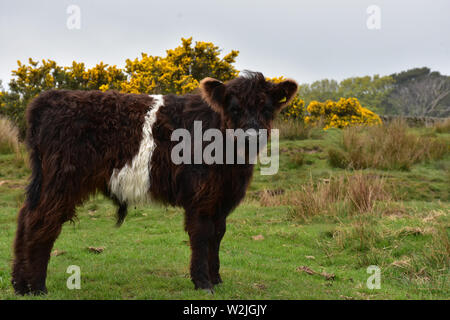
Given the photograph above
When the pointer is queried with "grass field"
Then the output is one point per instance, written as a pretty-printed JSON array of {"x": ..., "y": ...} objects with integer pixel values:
[{"x": 294, "y": 237}]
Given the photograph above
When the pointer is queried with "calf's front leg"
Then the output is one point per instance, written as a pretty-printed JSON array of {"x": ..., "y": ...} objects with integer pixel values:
[
  {"x": 201, "y": 230},
  {"x": 213, "y": 253}
]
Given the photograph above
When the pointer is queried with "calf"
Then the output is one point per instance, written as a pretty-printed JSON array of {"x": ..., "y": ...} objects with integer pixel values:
[{"x": 81, "y": 142}]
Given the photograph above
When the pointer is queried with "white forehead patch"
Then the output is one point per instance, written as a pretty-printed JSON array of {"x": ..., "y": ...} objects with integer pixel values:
[{"x": 131, "y": 183}]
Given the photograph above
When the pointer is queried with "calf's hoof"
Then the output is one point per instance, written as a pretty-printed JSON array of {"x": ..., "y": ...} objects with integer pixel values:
[
  {"x": 216, "y": 280},
  {"x": 208, "y": 291},
  {"x": 20, "y": 287},
  {"x": 38, "y": 291},
  {"x": 204, "y": 285}
]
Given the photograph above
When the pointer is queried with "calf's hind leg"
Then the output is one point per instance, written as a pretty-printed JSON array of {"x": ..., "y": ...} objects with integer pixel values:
[
  {"x": 19, "y": 280},
  {"x": 38, "y": 255},
  {"x": 43, "y": 225}
]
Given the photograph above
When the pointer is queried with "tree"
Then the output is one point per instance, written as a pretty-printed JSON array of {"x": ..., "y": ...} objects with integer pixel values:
[
  {"x": 370, "y": 91},
  {"x": 420, "y": 92},
  {"x": 321, "y": 90}
]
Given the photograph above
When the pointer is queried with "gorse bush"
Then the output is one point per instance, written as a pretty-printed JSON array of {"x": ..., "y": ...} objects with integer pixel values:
[
  {"x": 389, "y": 147},
  {"x": 341, "y": 114},
  {"x": 180, "y": 71},
  {"x": 295, "y": 110}
]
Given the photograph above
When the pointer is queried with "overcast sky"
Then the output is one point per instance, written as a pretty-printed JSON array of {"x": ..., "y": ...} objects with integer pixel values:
[{"x": 303, "y": 39}]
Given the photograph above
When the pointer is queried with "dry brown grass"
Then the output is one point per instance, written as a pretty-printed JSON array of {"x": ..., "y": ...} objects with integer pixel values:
[
  {"x": 9, "y": 141},
  {"x": 438, "y": 252},
  {"x": 419, "y": 268},
  {"x": 387, "y": 147},
  {"x": 363, "y": 191},
  {"x": 356, "y": 193},
  {"x": 360, "y": 235},
  {"x": 9, "y": 137},
  {"x": 292, "y": 130},
  {"x": 443, "y": 126}
]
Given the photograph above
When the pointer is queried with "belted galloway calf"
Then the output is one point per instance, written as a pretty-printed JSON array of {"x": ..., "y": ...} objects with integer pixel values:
[{"x": 82, "y": 142}]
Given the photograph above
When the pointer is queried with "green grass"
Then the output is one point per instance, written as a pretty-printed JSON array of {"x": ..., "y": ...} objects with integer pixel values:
[{"x": 148, "y": 257}]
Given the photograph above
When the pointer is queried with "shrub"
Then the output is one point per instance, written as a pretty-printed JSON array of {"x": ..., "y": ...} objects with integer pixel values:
[
  {"x": 338, "y": 158},
  {"x": 341, "y": 114},
  {"x": 295, "y": 110}
]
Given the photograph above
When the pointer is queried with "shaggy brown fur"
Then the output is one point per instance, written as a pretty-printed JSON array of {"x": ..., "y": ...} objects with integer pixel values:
[{"x": 77, "y": 138}]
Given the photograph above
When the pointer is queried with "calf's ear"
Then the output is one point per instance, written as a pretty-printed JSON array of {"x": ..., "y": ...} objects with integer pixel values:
[
  {"x": 213, "y": 92},
  {"x": 283, "y": 93}
]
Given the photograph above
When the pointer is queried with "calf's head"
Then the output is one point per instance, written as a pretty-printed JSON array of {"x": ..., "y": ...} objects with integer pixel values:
[{"x": 249, "y": 101}]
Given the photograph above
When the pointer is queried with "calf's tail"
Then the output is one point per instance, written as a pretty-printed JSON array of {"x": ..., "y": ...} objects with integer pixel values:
[
  {"x": 34, "y": 111},
  {"x": 34, "y": 188}
]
